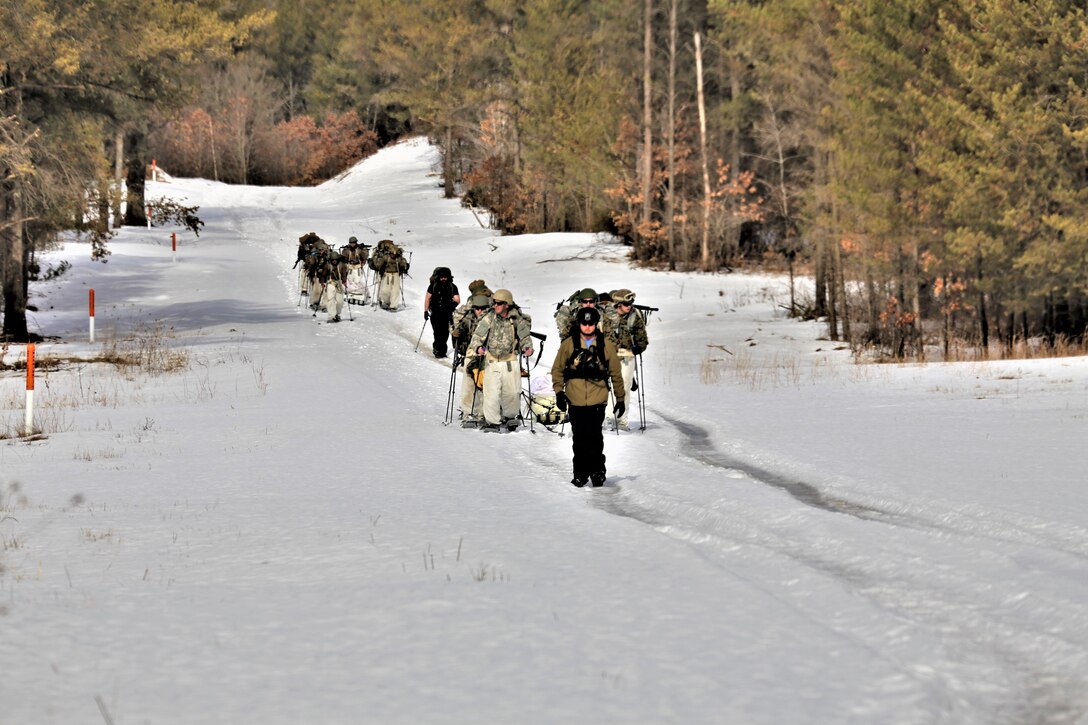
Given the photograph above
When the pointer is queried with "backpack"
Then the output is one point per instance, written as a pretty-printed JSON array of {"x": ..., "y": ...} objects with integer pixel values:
[
  {"x": 441, "y": 292},
  {"x": 587, "y": 364}
]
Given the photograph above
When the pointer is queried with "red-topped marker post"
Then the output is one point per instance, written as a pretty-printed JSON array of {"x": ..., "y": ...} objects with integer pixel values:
[
  {"x": 91, "y": 310},
  {"x": 28, "y": 428}
]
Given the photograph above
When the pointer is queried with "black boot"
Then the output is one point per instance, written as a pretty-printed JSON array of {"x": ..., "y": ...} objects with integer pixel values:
[
  {"x": 598, "y": 479},
  {"x": 579, "y": 481}
]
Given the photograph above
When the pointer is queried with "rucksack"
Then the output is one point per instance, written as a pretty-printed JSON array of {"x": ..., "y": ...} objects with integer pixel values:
[
  {"x": 442, "y": 292},
  {"x": 587, "y": 363}
]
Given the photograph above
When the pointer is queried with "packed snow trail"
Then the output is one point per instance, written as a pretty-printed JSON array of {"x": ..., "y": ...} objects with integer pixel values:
[{"x": 285, "y": 532}]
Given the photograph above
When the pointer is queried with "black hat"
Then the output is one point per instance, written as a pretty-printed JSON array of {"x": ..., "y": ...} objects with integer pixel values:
[{"x": 588, "y": 316}]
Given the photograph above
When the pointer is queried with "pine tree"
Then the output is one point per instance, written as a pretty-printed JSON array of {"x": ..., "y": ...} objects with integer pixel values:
[{"x": 66, "y": 68}]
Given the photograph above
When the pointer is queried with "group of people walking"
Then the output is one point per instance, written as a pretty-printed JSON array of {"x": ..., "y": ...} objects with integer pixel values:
[
  {"x": 601, "y": 337},
  {"x": 330, "y": 277},
  {"x": 593, "y": 375}
]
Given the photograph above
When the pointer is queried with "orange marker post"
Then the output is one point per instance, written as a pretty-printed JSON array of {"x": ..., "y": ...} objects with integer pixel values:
[
  {"x": 91, "y": 305},
  {"x": 28, "y": 429},
  {"x": 174, "y": 244}
]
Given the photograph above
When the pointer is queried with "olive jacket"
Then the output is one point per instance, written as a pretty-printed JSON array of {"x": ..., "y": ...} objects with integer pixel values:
[{"x": 587, "y": 391}]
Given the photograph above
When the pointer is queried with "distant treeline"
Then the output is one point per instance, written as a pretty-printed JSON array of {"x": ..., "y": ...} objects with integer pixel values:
[{"x": 924, "y": 160}]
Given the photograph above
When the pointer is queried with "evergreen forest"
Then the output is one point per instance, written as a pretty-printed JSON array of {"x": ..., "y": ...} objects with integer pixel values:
[{"x": 924, "y": 161}]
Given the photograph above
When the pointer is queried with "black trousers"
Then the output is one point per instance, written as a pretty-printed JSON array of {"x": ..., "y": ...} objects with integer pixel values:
[
  {"x": 440, "y": 323},
  {"x": 585, "y": 429}
]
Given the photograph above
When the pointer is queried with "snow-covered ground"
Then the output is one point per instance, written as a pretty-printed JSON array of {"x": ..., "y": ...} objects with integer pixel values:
[{"x": 283, "y": 531}]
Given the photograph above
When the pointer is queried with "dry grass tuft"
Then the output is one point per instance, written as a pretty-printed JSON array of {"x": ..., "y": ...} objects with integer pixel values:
[{"x": 146, "y": 350}]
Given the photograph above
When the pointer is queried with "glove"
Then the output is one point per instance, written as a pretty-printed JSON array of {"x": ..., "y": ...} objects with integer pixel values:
[
  {"x": 426, "y": 315},
  {"x": 619, "y": 409},
  {"x": 561, "y": 401}
]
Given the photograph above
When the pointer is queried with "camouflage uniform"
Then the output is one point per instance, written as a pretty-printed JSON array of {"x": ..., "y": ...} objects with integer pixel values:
[
  {"x": 332, "y": 275},
  {"x": 389, "y": 262},
  {"x": 471, "y": 400},
  {"x": 313, "y": 265},
  {"x": 460, "y": 340},
  {"x": 626, "y": 328},
  {"x": 305, "y": 247},
  {"x": 496, "y": 342},
  {"x": 564, "y": 316}
]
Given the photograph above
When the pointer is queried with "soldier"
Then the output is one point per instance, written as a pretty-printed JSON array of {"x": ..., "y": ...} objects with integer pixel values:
[
  {"x": 305, "y": 246},
  {"x": 332, "y": 275},
  {"x": 564, "y": 316},
  {"x": 627, "y": 331},
  {"x": 313, "y": 265},
  {"x": 355, "y": 287},
  {"x": 584, "y": 365},
  {"x": 471, "y": 400},
  {"x": 389, "y": 262},
  {"x": 353, "y": 252},
  {"x": 441, "y": 300},
  {"x": 499, "y": 337}
]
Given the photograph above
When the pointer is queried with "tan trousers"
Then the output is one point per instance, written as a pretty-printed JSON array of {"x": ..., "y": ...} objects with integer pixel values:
[
  {"x": 389, "y": 291},
  {"x": 502, "y": 390}
]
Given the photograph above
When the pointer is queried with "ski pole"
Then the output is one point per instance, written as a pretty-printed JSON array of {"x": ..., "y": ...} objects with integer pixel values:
[
  {"x": 640, "y": 373},
  {"x": 421, "y": 335},
  {"x": 528, "y": 393},
  {"x": 475, "y": 391},
  {"x": 447, "y": 418}
]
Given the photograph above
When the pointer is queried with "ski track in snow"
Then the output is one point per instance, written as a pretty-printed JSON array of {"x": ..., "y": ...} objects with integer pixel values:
[{"x": 1038, "y": 689}]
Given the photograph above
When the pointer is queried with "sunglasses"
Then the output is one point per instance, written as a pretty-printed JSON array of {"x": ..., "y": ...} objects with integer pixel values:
[
  {"x": 588, "y": 302},
  {"x": 623, "y": 304},
  {"x": 499, "y": 302}
]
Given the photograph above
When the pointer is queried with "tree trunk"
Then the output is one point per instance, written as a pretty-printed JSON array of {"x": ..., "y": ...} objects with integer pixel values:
[
  {"x": 118, "y": 176},
  {"x": 647, "y": 123},
  {"x": 670, "y": 199},
  {"x": 136, "y": 160},
  {"x": 916, "y": 301},
  {"x": 705, "y": 261},
  {"x": 838, "y": 273},
  {"x": 983, "y": 321},
  {"x": 737, "y": 65},
  {"x": 13, "y": 260},
  {"x": 447, "y": 164}
]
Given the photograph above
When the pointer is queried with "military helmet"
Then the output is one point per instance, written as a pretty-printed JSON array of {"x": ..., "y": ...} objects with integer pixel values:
[
  {"x": 503, "y": 295},
  {"x": 588, "y": 293},
  {"x": 481, "y": 302},
  {"x": 588, "y": 316},
  {"x": 353, "y": 240},
  {"x": 625, "y": 296}
]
